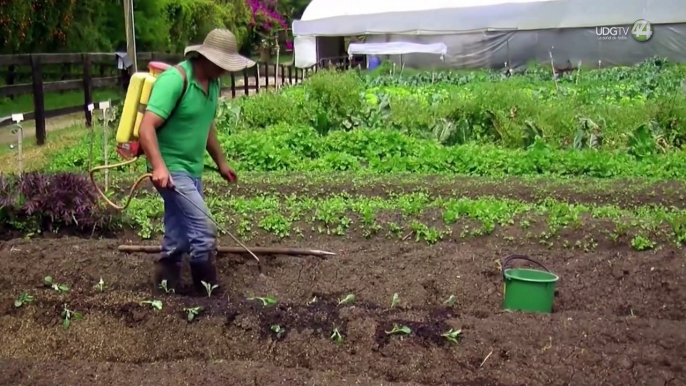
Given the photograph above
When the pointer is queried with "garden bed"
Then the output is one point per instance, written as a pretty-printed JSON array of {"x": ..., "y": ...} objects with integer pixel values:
[{"x": 618, "y": 315}]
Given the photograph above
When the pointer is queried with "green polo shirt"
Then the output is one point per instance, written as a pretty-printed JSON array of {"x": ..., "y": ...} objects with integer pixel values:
[{"x": 182, "y": 138}]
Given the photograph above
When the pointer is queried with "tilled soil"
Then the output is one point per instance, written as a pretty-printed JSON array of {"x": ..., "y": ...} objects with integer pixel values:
[{"x": 618, "y": 317}]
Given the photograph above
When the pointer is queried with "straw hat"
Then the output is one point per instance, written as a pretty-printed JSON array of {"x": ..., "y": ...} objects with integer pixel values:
[{"x": 221, "y": 49}]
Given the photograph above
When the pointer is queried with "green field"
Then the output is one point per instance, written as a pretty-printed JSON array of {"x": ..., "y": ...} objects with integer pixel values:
[{"x": 24, "y": 103}]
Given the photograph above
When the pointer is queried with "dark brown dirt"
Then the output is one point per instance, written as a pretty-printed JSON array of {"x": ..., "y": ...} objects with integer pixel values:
[{"x": 618, "y": 318}]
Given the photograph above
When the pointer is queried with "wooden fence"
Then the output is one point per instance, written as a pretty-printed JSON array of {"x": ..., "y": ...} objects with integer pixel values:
[{"x": 263, "y": 75}]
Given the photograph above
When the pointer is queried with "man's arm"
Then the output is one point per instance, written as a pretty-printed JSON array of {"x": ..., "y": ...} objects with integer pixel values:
[
  {"x": 148, "y": 139},
  {"x": 166, "y": 91},
  {"x": 215, "y": 149}
]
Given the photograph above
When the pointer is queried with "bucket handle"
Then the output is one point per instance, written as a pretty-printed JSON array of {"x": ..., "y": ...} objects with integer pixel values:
[{"x": 508, "y": 259}]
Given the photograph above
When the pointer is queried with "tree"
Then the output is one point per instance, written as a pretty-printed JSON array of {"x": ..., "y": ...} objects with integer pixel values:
[{"x": 98, "y": 25}]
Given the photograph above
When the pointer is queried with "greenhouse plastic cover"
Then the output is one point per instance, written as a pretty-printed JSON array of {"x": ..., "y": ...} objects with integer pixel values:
[
  {"x": 493, "y": 33},
  {"x": 396, "y": 48},
  {"x": 357, "y": 17}
]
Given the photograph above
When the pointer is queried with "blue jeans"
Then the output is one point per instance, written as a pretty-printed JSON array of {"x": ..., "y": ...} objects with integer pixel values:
[{"x": 186, "y": 228}]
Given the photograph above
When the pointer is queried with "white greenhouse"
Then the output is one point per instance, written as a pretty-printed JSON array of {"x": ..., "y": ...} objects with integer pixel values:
[{"x": 491, "y": 33}]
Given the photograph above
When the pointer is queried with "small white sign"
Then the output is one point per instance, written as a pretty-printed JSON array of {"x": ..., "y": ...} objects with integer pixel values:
[
  {"x": 17, "y": 117},
  {"x": 91, "y": 107},
  {"x": 104, "y": 105}
]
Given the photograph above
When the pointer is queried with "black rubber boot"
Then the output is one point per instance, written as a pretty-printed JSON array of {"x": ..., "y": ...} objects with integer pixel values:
[
  {"x": 204, "y": 272},
  {"x": 169, "y": 272}
]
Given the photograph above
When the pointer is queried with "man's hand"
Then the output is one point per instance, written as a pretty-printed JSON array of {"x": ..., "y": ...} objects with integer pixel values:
[
  {"x": 227, "y": 173},
  {"x": 161, "y": 178},
  {"x": 215, "y": 151}
]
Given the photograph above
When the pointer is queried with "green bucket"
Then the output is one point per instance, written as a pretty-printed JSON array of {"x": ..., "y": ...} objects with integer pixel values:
[{"x": 528, "y": 290}]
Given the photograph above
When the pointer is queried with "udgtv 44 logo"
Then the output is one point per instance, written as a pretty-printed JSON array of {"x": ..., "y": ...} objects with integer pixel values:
[{"x": 641, "y": 31}]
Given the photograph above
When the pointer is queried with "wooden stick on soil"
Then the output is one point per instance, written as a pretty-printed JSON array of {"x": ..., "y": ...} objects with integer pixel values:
[{"x": 234, "y": 250}]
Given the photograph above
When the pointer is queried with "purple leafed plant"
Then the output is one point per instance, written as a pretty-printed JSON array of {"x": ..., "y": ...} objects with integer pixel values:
[
  {"x": 8, "y": 198},
  {"x": 61, "y": 199}
]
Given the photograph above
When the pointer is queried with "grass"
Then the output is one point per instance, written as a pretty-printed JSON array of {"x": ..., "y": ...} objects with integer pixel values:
[
  {"x": 24, "y": 103},
  {"x": 284, "y": 58},
  {"x": 36, "y": 157}
]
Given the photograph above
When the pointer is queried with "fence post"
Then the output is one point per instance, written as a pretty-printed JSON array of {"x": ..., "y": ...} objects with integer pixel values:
[
  {"x": 290, "y": 75},
  {"x": 245, "y": 82},
  {"x": 87, "y": 88},
  {"x": 123, "y": 76},
  {"x": 38, "y": 99},
  {"x": 282, "y": 69},
  {"x": 257, "y": 78},
  {"x": 266, "y": 76},
  {"x": 9, "y": 78},
  {"x": 233, "y": 85}
]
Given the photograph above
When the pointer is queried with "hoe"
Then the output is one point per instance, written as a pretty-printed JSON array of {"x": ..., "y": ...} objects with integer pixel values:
[{"x": 129, "y": 149}]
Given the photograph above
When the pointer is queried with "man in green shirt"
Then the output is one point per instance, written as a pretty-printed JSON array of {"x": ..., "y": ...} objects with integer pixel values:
[{"x": 177, "y": 128}]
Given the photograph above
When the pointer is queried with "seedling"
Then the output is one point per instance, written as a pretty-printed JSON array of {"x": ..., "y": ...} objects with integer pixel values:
[
  {"x": 268, "y": 301},
  {"x": 156, "y": 304},
  {"x": 349, "y": 298},
  {"x": 395, "y": 300},
  {"x": 451, "y": 300},
  {"x": 336, "y": 336},
  {"x": 278, "y": 330},
  {"x": 452, "y": 335},
  {"x": 399, "y": 330},
  {"x": 191, "y": 313},
  {"x": 100, "y": 286},
  {"x": 57, "y": 287},
  {"x": 68, "y": 315},
  {"x": 163, "y": 287},
  {"x": 23, "y": 299},
  {"x": 209, "y": 287}
]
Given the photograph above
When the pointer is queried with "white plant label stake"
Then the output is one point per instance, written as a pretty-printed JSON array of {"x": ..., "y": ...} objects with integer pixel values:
[
  {"x": 91, "y": 137},
  {"x": 276, "y": 67},
  {"x": 103, "y": 107},
  {"x": 17, "y": 118}
]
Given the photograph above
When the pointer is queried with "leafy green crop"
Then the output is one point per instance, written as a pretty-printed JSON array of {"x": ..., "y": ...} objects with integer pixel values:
[
  {"x": 338, "y": 214},
  {"x": 484, "y": 107},
  {"x": 384, "y": 151}
]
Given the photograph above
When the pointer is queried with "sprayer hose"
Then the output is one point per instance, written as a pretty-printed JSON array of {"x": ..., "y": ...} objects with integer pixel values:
[
  {"x": 149, "y": 175},
  {"x": 133, "y": 187}
]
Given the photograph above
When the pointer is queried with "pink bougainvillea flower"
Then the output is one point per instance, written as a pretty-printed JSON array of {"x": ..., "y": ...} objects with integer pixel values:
[{"x": 263, "y": 11}]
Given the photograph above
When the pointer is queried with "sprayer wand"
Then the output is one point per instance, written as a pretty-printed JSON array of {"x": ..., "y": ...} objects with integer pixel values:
[
  {"x": 145, "y": 176},
  {"x": 173, "y": 188}
]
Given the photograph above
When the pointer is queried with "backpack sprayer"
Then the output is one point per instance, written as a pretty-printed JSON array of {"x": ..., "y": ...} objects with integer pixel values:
[{"x": 128, "y": 147}]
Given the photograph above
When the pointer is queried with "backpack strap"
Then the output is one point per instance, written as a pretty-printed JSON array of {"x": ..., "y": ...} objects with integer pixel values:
[
  {"x": 185, "y": 88},
  {"x": 178, "y": 101}
]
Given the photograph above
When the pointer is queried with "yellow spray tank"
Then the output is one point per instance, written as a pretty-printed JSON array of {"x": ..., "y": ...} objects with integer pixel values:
[{"x": 137, "y": 97}]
